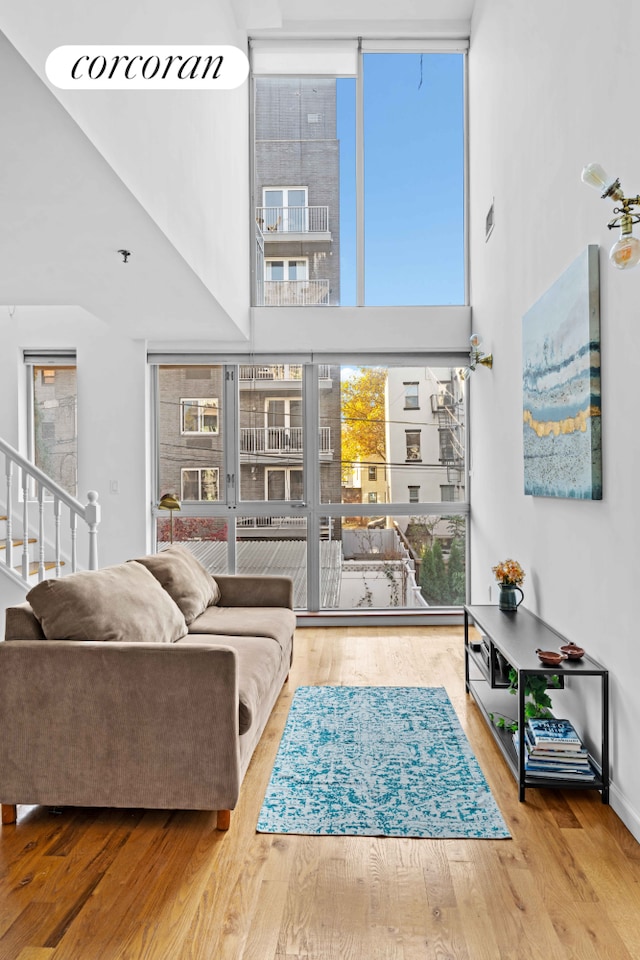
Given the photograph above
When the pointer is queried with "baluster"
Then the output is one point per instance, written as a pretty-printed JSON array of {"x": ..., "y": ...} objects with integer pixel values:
[
  {"x": 92, "y": 517},
  {"x": 73, "y": 520},
  {"x": 25, "y": 526},
  {"x": 9, "y": 521},
  {"x": 57, "y": 512},
  {"x": 41, "y": 568}
]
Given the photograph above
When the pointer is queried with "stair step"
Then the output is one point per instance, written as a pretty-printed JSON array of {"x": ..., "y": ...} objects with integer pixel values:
[
  {"x": 34, "y": 566},
  {"x": 17, "y": 543}
]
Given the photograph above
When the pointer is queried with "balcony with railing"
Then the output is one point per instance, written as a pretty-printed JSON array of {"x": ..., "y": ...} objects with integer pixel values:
[
  {"x": 295, "y": 293},
  {"x": 279, "y": 442},
  {"x": 278, "y": 224},
  {"x": 279, "y": 372}
]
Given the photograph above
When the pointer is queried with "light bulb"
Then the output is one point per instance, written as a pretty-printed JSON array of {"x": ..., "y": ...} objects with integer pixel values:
[
  {"x": 474, "y": 340},
  {"x": 626, "y": 252},
  {"x": 596, "y": 177}
]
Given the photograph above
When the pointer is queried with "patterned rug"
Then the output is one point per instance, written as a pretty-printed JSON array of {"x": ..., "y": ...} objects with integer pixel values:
[{"x": 377, "y": 761}]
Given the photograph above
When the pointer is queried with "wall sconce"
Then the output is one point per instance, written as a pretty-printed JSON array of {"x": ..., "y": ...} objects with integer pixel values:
[
  {"x": 476, "y": 356},
  {"x": 169, "y": 502},
  {"x": 625, "y": 252}
]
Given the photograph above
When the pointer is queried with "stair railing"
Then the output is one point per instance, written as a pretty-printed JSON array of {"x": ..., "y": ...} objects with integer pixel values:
[{"x": 31, "y": 476}]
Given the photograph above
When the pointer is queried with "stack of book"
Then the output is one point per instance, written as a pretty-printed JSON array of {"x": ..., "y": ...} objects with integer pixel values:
[{"x": 554, "y": 750}]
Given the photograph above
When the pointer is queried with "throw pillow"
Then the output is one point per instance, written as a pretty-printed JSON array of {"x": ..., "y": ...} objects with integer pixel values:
[
  {"x": 184, "y": 578},
  {"x": 122, "y": 603}
]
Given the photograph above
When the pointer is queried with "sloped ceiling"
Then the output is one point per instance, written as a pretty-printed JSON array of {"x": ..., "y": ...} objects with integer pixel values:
[{"x": 86, "y": 175}]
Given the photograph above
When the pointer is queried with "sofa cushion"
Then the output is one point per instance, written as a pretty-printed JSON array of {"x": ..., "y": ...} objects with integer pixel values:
[
  {"x": 276, "y": 622},
  {"x": 184, "y": 578},
  {"x": 122, "y": 603},
  {"x": 259, "y": 666}
]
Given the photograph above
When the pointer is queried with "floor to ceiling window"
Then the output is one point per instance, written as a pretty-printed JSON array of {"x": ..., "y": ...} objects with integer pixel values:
[{"x": 348, "y": 477}]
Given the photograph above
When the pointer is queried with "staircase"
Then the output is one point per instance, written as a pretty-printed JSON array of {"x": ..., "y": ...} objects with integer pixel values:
[{"x": 34, "y": 541}]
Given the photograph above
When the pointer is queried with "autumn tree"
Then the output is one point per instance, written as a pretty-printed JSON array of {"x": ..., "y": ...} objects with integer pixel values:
[{"x": 363, "y": 416}]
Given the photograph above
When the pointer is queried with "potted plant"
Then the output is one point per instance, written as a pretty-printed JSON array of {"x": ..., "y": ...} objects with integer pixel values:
[{"x": 537, "y": 701}]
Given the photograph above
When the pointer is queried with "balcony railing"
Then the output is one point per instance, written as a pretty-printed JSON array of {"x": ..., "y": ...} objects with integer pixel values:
[
  {"x": 280, "y": 372},
  {"x": 296, "y": 293},
  {"x": 276, "y": 220},
  {"x": 279, "y": 440}
]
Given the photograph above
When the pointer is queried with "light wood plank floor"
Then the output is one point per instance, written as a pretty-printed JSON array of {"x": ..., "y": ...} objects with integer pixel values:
[{"x": 83, "y": 884}]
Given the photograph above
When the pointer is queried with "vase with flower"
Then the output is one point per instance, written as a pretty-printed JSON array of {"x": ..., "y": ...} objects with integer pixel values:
[{"x": 509, "y": 575}]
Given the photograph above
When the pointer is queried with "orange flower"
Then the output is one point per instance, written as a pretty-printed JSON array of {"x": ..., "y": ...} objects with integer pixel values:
[{"x": 509, "y": 572}]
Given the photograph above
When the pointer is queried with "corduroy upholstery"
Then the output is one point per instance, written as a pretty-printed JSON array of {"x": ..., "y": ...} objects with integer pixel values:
[{"x": 169, "y": 725}]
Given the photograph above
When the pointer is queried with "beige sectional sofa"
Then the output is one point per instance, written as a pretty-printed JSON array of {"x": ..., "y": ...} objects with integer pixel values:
[{"x": 143, "y": 685}]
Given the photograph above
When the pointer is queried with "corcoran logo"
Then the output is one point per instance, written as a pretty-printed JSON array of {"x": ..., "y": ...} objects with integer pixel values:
[{"x": 147, "y": 67}]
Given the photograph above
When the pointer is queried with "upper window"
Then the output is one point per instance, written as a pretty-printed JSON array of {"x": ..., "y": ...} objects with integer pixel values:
[
  {"x": 284, "y": 210},
  {"x": 411, "y": 396},
  {"x": 199, "y": 415},
  {"x": 393, "y": 236}
]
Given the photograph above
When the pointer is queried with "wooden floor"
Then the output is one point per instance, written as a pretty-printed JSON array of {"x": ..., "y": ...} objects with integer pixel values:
[{"x": 82, "y": 884}]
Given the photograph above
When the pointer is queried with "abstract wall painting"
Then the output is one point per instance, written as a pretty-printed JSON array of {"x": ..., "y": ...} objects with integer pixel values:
[{"x": 561, "y": 386}]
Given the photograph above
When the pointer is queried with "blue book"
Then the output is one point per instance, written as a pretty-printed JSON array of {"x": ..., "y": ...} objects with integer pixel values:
[{"x": 549, "y": 733}]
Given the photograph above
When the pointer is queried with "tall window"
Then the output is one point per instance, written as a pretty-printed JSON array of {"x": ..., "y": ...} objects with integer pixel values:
[
  {"x": 321, "y": 473},
  {"x": 375, "y": 197},
  {"x": 54, "y": 433}
]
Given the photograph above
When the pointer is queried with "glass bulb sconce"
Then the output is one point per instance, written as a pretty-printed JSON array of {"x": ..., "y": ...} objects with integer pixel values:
[
  {"x": 476, "y": 356},
  {"x": 625, "y": 252}
]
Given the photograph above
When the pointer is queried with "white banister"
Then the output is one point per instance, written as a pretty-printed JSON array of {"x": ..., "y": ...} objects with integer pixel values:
[{"x": 51, "y": 500}]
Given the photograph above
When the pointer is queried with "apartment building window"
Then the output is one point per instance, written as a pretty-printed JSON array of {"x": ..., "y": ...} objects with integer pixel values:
[
  {"x": 199, "y": 415},
  {"x": 53, "y": 428},
  {"x": 413, "y": 451},
  {"x": 284, "y": 210},
  {"x": 284, "y": 483},
  {"x": 447, "y": 492},
  {"x": 373, "y": 473},
  {"x": 200, "y": 483},
  {"x": 411, "y": 396},
  {"x": 414, "y": 494},
  {"x": 373, "y": 496}
]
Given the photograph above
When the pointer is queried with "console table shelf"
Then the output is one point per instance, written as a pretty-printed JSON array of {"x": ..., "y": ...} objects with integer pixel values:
[{"x": 515, "y": 637}]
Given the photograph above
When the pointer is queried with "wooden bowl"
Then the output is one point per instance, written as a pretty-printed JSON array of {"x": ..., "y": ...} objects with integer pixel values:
[
  {"x": 572, "y": 651},
  {"x": 551, "y": 658}
]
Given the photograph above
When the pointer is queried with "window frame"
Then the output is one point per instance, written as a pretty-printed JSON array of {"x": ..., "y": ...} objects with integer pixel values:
[
  {"x": 201, "y": 404},
  {"x": 199, "y": 471}
]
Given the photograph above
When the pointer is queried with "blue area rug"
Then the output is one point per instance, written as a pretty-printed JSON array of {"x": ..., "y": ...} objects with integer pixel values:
[{"x": 377, "y": 761}]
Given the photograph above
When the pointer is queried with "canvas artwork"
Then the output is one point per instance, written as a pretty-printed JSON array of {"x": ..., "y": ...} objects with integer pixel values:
[{"x": 561, "y": 386}]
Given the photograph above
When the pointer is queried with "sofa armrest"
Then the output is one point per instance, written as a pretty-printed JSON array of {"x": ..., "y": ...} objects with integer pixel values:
[
  {"x": 119, "y": 724},
  {"x": 255, "y": 591}
]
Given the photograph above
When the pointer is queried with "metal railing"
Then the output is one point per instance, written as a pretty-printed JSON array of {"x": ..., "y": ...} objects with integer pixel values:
[
  {"x": 295, "y": 293},
  {"x": 280, "y": 372},
  {"x": 279, "y": 440},
  {"x": 35, "y": 489},
  {"x": 292, "y": 220}
]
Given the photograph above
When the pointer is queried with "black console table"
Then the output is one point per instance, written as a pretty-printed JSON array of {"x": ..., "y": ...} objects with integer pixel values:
[{"x": 514, "y": 637}]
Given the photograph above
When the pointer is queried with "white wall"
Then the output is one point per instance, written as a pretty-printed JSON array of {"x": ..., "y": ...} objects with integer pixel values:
[
  {"x": 112, "y": 416},
  {"x": 184, "y": 155},
  {"x": 550, "y": 91}
]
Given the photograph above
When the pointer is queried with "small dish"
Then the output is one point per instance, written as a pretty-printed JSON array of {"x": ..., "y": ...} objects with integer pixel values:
[
  {"x": 572, "y": 651},
  {"x": 551, "y": 658}
]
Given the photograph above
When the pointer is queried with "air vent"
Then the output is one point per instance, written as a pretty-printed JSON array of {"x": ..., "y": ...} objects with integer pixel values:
[{"x": 314, "y": 117}]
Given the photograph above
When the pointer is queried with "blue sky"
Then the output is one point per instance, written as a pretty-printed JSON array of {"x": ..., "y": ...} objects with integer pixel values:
[{"x": 414, "y": 179}]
